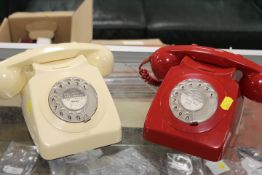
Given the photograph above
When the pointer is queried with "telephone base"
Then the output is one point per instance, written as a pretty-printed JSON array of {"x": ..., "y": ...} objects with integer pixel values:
[
  {"x": 55, "y": 137},
  {"x": 207, "y": 139},
  {"x": 72, "y": 143},
  {"x": 209, "y": 145}
]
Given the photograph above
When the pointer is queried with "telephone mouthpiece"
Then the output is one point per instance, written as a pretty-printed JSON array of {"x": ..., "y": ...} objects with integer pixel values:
[
  {"x": 251, "y": 86},
  {"x": 12, "y": 81}
]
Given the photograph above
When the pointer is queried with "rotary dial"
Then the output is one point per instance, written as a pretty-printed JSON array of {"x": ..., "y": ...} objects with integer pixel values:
[
  {"x": 193, "y": 100},
  {"x": 73, "y": 100}
]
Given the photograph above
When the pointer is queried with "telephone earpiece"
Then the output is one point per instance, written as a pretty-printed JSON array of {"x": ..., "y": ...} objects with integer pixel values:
[
  {"x": 160, "y": 62},
  {"x": 13, "y": 78},
  {"x": 251, "y": 86},
  {"x": 12, "y": 81},
  {"x": 166, "y": 57}
]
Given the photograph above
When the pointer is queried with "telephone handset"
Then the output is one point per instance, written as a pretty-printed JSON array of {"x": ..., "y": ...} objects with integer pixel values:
[
  {"x": 166, "y": 57},
  {"x": 65, "y": 101},
  {"x": 200, "y": 99}
]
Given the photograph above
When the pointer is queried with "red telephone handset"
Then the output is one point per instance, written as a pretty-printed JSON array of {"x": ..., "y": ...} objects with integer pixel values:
[
  {"x": 199, "y": 103},
  {"x": 166, "y": 57}
]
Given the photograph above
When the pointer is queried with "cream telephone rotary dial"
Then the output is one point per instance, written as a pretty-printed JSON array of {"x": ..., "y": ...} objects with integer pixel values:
[{"x": 65, "y": 101}]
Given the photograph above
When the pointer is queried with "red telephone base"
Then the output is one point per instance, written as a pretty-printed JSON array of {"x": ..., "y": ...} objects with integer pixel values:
[{"x": 207, "y": 139}]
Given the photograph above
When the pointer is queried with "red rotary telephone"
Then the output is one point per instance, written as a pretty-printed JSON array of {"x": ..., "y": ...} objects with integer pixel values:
[{"x": 199, "y": 102}]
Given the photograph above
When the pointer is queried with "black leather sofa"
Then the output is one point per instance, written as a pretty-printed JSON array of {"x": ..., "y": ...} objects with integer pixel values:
[{"x": 216, "y": 23}]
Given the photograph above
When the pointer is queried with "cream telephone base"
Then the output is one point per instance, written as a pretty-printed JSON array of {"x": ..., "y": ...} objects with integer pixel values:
[{"x": 66, "y": 103}]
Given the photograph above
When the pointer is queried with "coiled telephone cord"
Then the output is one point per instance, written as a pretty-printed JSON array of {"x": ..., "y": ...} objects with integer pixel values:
[{"x": 146, "y": 76}]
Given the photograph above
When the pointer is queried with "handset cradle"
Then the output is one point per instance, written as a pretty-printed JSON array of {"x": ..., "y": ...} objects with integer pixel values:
[
  {"x": 12, "y": 69},
  {"x": 166, "y": 57}
]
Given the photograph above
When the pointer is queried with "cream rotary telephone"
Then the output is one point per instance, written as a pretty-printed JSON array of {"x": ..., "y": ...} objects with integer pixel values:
[{"x": 65, "y": 101}]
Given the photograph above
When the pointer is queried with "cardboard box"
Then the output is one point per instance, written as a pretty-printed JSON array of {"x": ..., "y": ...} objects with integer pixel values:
[{"x": 70, "y": 26}]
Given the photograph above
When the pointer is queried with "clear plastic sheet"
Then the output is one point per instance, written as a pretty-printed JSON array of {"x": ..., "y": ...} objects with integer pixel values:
[
  {"x": 128, "y": 162},
  {"x": 184, "y": 164},
  {"x": 251, "y": 160},
  {"x": 74, "y": 164},
  {"x": 18, "y": 159}
]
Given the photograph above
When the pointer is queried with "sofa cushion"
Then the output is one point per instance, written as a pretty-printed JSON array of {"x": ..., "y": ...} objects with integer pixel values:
[
  {"x": 3, "y": 10},
  {"x": 118, "y": 19},
  {"x": 217, "y": 23},
  {"x": 258, "y": 3},
  {"x": 52, "y": 5}
]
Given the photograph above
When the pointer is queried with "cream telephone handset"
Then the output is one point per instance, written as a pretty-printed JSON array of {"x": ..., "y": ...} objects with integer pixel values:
[{"x": 65, "y": 101}]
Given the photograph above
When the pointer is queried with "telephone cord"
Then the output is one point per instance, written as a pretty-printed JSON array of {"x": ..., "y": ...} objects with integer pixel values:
[{"x": 145, "y": 75}]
